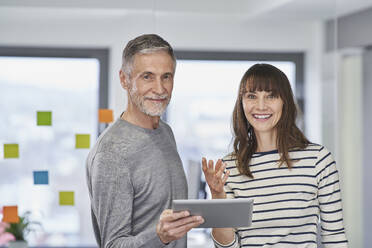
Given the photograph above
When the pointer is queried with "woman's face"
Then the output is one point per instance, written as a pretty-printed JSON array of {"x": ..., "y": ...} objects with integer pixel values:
[{"x": 262, "y": 110}]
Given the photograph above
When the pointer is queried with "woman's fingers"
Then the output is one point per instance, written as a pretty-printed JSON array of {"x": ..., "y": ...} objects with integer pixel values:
[
  {"x": 210, "y": 165},
  {"x": 213, "y": 171},
  {"x": 225, "y": 177},
  {"x": 220, "y": 170},
  {"x": 219, "y": 174},
  {"x": 216, "y": 177},
  {"x": 218, "y": 165},
  {"x": 204, "y": 164}
]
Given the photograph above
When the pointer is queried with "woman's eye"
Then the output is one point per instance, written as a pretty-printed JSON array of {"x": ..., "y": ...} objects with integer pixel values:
[
  {"x": 271, "y": 96},
  {"x": 251, "y": 96}
]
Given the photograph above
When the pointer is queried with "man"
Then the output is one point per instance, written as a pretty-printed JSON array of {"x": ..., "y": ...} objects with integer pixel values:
[{"x": 134, "y": 171}]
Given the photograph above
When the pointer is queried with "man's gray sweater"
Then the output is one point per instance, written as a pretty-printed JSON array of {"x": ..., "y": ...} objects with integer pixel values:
[{"x": 133, "y": 174}]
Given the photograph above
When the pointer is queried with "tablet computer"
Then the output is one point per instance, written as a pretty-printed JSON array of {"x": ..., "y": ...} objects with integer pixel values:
[{"x": 219, "y": 212}]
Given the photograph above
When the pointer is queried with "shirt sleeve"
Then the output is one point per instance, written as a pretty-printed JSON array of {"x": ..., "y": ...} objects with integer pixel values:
[
  {"x": 112, "y": 205},
  {"x": 329, "y": 197},
  {"x": 233, "y": 244}
]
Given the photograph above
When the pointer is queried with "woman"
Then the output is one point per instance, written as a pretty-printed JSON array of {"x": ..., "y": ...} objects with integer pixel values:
[{"x": 291, "y": 180}]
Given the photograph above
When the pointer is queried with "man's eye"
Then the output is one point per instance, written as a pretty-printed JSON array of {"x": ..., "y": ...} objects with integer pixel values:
[
  {"x": 146, "y": 76},
  {"x": 167, "y": 77}
]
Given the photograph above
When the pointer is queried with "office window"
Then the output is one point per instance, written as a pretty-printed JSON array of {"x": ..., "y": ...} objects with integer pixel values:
[{"x": 68, "y": 88}]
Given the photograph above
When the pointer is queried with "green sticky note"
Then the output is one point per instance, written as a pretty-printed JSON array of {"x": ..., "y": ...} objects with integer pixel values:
[
  {"x": 11, "y": 151},
  {"x": 82, "y": 140},
  {"x": 66, "y": 198},
  {"x": 44, "y": 118}
]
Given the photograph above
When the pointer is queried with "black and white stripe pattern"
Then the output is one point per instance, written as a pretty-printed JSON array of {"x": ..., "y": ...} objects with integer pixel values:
[{"x": 289, "y": 202}]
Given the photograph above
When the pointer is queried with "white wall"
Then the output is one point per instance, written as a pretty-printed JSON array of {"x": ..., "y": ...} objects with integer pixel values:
[
  {"x": 112, "y": 29},
  {"x": 367, "y": 146},
  {"x": 342, "y": 127},
  {"x": 350, "y": 138}
]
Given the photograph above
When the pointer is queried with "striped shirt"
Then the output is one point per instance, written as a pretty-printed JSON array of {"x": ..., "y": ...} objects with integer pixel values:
[{"x": 289, "y": 202}]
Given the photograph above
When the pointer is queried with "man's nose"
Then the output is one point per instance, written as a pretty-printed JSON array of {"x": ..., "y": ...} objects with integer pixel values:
[{"x": 159, "y": 87}]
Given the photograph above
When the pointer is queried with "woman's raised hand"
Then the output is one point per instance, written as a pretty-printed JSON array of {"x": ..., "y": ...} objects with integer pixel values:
[{"x": 215, "y": 177}]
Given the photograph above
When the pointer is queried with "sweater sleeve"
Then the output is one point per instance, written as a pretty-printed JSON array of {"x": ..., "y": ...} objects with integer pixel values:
[
  {"x": 112, "y": 205},
  {"x": 329, "y": 197}
]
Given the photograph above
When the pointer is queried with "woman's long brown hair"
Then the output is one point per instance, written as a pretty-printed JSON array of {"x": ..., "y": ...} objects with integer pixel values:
[{"x": 265, "y": 77}]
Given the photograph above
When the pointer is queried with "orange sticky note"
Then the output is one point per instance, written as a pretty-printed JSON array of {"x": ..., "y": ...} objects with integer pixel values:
[
  {"x": 10, "y": 214},
  {"x": 105, "y": 115}
]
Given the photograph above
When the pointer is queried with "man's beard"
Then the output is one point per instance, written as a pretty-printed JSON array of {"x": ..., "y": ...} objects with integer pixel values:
[{"x": 147, "y": 106}]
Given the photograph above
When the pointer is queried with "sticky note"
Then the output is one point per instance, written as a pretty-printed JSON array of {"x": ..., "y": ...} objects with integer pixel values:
[
  {"x": 105, "y": 115},
  {"x": 66, "y": 198},
  {"x": 11, "y": 151},
  {"x": 82, "y": 141},
  {"x": 44, "y": 118},
  {"x": 10, "y": 214},
  {"x": 41, "y": 177}
]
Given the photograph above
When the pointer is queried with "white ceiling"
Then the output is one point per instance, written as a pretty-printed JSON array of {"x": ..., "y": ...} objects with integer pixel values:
[{"x": 245, "y": 9}]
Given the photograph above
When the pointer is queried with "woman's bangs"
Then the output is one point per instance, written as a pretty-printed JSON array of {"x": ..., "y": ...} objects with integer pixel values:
[{"x": 268, "y": 84}]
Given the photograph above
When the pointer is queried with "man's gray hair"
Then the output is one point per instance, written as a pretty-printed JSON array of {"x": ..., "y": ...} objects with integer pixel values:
[{"x": 144, "y": 44}]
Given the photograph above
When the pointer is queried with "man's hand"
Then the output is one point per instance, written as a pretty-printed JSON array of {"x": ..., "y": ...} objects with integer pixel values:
[
  {"x": 215, "y": 177},
  {"x": 173, "y": 226}
]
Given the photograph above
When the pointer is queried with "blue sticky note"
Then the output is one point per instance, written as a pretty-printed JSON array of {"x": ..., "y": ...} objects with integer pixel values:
[{"x": 41, "y": 177}]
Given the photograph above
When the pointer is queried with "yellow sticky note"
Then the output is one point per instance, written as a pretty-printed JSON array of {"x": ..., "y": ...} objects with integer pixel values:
[
  {"x": 44, "y": 118},
  {"x": 10, "y": 214},
  {"x": 82, "y": 141},
  {"x": 66, "y": 198},
  {"x": 11, "y": 151},
  {"x": 105, "y": 115}
]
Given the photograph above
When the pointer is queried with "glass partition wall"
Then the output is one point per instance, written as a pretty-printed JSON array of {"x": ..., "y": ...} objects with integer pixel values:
[{"x": 46, "y": 103}]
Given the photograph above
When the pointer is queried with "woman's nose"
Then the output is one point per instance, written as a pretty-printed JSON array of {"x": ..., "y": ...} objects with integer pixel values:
[{"x": 261, "y": 103}]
